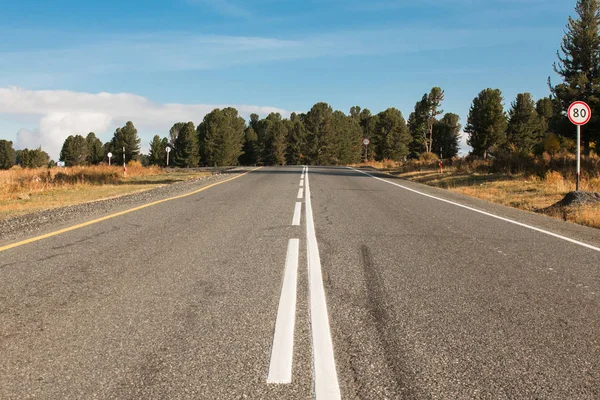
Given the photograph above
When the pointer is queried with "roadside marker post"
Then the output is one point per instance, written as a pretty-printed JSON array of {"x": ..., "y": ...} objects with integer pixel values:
[
  {"x": 579, "y": 114},
  {"x": 124, "y": 165},
  {"x": 366, "y": 143},
  {"x": 109, "y": 157},
  {"x": 168, "y": 150}
]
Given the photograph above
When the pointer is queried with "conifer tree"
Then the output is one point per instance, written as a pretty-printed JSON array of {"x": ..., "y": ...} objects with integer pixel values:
[
  {"x": 186, "y": 152},
  {"x": 486, "y": 123},
  {"x": 125, "y": 137},
  {"x": 7, "y": 154},
  {"x": 95, "y": 149},
  {"x": 579, "y": 67},
  {"x": 523, "y": 129}
]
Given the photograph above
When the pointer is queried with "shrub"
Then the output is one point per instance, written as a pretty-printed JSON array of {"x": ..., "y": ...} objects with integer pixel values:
[
  {"x": 428, "y": 157},
  {"x": 551, "y": 144}
]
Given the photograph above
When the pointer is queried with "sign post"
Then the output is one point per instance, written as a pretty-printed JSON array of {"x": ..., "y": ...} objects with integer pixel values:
[
  {"x": 109, "y": 157},
  {"x": 579, "y": 114},
  {"x": 124, "y": 165},
  {"x": 168, "y": 150},
  {"x": 366, "y": 143}
]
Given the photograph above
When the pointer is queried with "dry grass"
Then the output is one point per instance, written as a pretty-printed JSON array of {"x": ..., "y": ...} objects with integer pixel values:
[
  {"x": 383, "y": 165},
  {"x": 28, "y": 190},
  {"x": 525, "y": 191}
]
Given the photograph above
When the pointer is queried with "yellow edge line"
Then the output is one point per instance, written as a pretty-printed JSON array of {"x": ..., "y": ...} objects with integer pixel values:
[{"x": 95, "y": 221}]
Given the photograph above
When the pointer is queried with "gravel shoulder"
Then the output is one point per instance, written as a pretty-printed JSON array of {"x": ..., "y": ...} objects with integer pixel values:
[{"x": 23, "y": 226}]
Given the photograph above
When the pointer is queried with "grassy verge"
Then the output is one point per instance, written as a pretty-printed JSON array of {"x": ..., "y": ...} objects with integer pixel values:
[
  {"x": 519, "y": 190},
  {"x": 29, "y": 190}
]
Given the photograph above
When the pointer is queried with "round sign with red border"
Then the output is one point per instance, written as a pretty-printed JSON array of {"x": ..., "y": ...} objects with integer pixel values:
[
  {"x": 366, "y": 141},
  {"x": 579, "y": 113}
]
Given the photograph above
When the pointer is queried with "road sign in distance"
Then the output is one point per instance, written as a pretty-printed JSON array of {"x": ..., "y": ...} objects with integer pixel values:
[
  {"x": 366, "y": 141},
  {"x": 109, "y": 155},
  {"x": 168, "y": 149},
  {"x": 579, "y": 113}
]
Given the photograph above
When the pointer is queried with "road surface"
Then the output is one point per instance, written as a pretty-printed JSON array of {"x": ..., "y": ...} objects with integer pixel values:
[{"x": 281, "y": 284}]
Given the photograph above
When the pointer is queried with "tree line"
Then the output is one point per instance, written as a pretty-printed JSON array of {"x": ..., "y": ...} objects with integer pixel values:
[
  {"x": 320, "y": 136},
  {"x": 324, "y": 136}
]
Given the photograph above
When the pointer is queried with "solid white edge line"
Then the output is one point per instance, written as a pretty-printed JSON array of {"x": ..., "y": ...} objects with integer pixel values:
[
  {"x": 300, "y": 193},
  {"x": 589, "y": 246},
  {"x": 325, "y": 374},
  {"x": 280, "y": 368},
  {"x": 297, "y": 214}
]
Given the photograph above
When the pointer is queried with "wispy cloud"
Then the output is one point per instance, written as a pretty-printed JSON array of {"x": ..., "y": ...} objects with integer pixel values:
[
  {"x": 224, "y": 7},
  {"x": 59, "y": 114},
  {"x": 178, "y": 51}
]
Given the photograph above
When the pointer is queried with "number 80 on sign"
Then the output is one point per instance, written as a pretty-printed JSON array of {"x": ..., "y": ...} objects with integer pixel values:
[{"x": 579, "y": 113}]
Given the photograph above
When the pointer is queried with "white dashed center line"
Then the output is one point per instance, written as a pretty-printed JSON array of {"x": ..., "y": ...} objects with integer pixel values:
[{"x": 297, "y": 214}]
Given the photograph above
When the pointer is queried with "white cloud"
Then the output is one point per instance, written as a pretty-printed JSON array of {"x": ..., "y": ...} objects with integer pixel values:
[{"x": 62, "y": 113}]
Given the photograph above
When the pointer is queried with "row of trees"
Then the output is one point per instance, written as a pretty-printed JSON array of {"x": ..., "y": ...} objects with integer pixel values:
[
  {"x": 77, "y": 150},
  {"x": 320, "y": 136},
  {"x": 27, "y": 158}
]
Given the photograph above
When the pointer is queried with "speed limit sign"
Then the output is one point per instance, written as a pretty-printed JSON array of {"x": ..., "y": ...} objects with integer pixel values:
[{"x": 579, "y": 113}]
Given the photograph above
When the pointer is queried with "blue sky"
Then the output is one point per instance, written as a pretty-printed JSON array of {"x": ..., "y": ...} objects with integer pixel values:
[{"x": 156, "y": 62}]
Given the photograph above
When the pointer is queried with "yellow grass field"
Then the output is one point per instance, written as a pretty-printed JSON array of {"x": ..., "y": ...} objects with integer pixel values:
[{"x": 28, "y": 190}]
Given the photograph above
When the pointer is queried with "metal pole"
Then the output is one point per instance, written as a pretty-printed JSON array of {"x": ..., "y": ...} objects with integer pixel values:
[
  {"x": 578, "y": 156},
  {"x": 167, "y": 158}
]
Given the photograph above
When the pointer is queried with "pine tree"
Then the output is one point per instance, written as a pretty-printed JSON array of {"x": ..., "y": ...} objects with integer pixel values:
[
  {"x": 125, "y": 137},
  {"x": 434, "y": 100},
  {"x": 295, "y": 141},
  {"x": 7, "y": 154},
  {"x": 523, "y": 128},
  {"x": 95, "y": 149},
  {"x": 74, "y": 151},
  {"x": 318, "y": 129},
  {"x": 355, "y": 113},
  {"x": 272, "y": 133},
  {"x": 418, "y": 125},
  {"x": 158, "y": 153},
  {"x": 579, "y": 67},
  {"x": 391, "y": 137},
  {"x": 174, "y": 132},
  {"x": 446, "y": 136},
  {"x": 34, "y": 158},
  {"x": 486, "y": 124},
  {"x": 350, "y": 135},
  {"x": 221, "y": 136},
  {"x": 186, "y": 147},
  {"x": 250, "y": 149}
]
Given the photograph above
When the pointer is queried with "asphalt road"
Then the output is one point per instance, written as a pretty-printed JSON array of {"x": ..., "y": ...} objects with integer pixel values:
[{"x": 392, "y": 290}]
